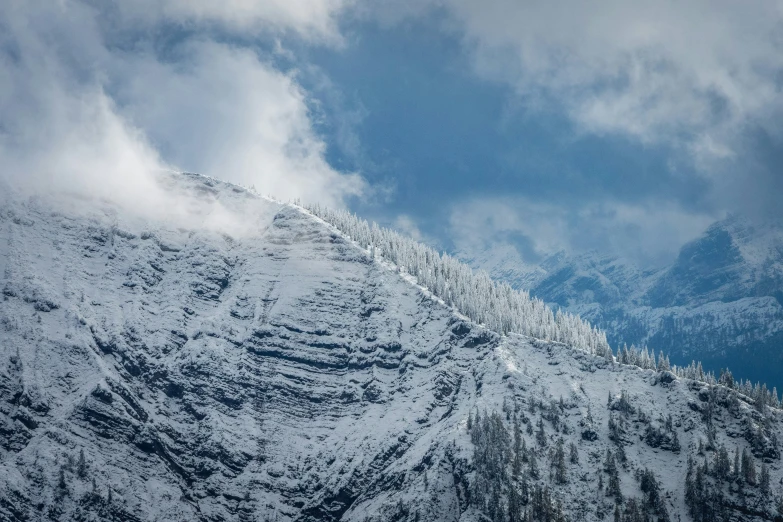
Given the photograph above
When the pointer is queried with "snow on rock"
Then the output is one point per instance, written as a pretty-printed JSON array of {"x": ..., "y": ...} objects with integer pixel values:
[{"x": 151, "y": 371}]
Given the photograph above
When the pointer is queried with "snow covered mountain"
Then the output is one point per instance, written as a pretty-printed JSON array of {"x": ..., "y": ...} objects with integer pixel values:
[
  {"x": 720, "y": 302},
  {"x": 272, "y": 368}
]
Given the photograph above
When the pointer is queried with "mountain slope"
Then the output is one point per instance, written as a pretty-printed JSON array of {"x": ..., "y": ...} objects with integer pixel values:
[{"x": 150, "y": 371}]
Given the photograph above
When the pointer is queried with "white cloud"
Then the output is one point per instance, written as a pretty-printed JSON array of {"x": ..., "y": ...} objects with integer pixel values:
[
  {"x": 56, "y": 129},
  {"x": 702, "y": 78},
  {"x": 79, "y": 114},
  {"x": 225, "y": 113},
  {"x": 647, "y": 233},
  {"x": 660, "y": 71},
  {"x": 309, "y": 19},
  {"x": 407, "y": 225},
  {"x": 477, "y": 224}
]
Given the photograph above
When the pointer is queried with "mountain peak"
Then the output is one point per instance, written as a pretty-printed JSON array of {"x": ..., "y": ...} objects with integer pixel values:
[{"x": 154, "y": 372}]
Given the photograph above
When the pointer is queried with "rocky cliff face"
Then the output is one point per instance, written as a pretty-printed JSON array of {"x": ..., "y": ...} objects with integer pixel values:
[
  {"x": 159, "y": 372},
  {"x": 721, "y": 301}
]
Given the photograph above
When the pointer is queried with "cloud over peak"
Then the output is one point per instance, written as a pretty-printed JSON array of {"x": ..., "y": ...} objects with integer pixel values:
[
  {"x": 79, "y": 112},
  {"x": 648, "y": 117}
]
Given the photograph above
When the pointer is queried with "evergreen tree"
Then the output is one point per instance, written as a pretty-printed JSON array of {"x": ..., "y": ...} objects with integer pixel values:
[
  {"x": 764, "y": 484},
  {"x": 533, "y": 466},
  {"x": 613, "y": 485},
  {"x": 560, "y": 465},
  {"x": 663, "y": 363},
  {"x": 62, "y": 485},
  {"x": 697, "y": 507},
  {"x": 675, "y": 442},
  {"x": 541, "y": 434},
  {"x": 495, "y": 508},
  {"x": 614, "y": 429},
  {"x": 516, "y": 466},
  {"x": 94, "y": 494},
  {"x": 748, "y": 468},
  {"x": 690, "y": 484},
  {"x": 726, "y": 378},
  {"x": 608, "y": 459},
  {"x": 652, "y": 490},
  {"x": 721, "y": 465},
  {"x": 524, "y": 492},
  {"x": 491, "y": 453},
  {"x": 574, "y": 454},
  {"x": 514, "y": 506},
  {"x": 475, "y": 294},
  {"x": 621, "y": 456},
  {"x": 81, "y": 465}
]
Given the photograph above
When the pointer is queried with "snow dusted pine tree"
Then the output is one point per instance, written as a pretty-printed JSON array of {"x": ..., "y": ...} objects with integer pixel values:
[{"x": 496, "y": 305}]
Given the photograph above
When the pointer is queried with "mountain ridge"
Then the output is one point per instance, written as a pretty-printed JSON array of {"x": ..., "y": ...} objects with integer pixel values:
[{"x": 155, "y": 372}]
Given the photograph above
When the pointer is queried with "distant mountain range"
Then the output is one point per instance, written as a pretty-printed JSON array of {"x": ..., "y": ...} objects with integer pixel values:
[{"x": 721, "y": 301}]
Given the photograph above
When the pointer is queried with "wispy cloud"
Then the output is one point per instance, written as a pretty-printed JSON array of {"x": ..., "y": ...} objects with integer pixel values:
[
  {"x": 649, "y": 234},
  {"x": 659, "y": 71},
  {"x": 698, "y": 83},
  {"x": 407, "y": 225},
  {"x": 315, "y": 20},
  {"x": 224, "y": 112},
  {"x": 93, "y": 95},
  {"x": 80, "y": 113}
]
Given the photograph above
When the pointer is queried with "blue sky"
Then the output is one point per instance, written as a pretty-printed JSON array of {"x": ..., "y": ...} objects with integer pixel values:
[
  {"x": 625, "y": 127},
  {"x": 442, "y": 137}
]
